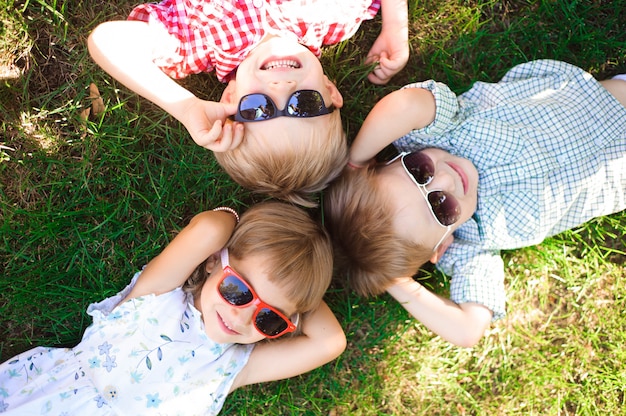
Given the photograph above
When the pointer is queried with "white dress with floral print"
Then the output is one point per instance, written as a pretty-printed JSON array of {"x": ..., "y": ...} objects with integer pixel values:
[{"x": 147, "y": 356}]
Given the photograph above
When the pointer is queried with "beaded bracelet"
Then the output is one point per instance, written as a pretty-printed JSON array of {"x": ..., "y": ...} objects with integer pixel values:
[{"x": 227, "y": 209}]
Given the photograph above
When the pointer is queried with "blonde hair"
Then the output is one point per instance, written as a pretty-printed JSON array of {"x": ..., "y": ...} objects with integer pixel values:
[
  {"x": 305, "y": 166},
  {"x": 296, "y": 248},
  {"x": 360, "y": 221}
]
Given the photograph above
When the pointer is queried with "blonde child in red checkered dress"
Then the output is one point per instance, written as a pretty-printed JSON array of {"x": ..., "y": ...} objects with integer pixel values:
[{"x": 268, "y": 53}]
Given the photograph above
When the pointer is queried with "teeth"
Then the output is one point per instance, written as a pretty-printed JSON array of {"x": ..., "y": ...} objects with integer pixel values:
[
  {"x": 226, "y": 325},
  {"x": 285, "y": 63}
]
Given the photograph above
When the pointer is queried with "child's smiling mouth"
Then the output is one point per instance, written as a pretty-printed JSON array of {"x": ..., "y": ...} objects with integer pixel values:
[
  {"x": 461, "y": 174},
  {"x": 280, "y": 64},
  {"x": 226, "y": 326}
]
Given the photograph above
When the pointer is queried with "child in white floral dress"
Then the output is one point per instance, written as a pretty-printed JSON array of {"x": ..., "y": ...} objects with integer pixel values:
[{"x": 188, "y": 329}]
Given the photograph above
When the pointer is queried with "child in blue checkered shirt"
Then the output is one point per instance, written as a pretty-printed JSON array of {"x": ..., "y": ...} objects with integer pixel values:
[{"x": 502, "y": 166}]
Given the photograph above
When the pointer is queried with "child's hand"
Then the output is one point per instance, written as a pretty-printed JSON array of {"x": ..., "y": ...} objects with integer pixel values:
[
  {"x": 206, "y": 122},
  {"x": 391, "y": 52}
]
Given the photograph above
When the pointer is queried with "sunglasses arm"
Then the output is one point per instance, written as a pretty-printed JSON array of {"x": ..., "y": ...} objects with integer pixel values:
[{"x": 438, "y": 246}]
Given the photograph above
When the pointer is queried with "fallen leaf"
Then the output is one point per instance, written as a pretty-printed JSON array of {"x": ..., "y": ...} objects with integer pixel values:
[
  {"x": 84, "y": 115},
  {"x": 97, "y": 105}
]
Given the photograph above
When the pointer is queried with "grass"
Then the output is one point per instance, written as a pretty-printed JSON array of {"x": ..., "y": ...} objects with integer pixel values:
[{"x": 84, "y": 204}]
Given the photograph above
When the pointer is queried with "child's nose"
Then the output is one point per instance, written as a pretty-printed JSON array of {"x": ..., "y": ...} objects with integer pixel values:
[
  {"x": 243, "y": 316},
  {"x": 282, "y": 84},
  {"x": 281, "y": 90},
  {"x": 443, "y": 179}
]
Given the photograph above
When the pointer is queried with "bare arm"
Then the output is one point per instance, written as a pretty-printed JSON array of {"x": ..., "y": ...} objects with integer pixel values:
[
  {"x": 463, "y": 325},
  {"x": 617, "y": 88},
  {"x": 391, "y": 48},
  {"x": 392, "y": 117},
  {"x": 321, "y": 341},
  {"x": 206, "y": 234},
  {"x": 124, "y": 50}
]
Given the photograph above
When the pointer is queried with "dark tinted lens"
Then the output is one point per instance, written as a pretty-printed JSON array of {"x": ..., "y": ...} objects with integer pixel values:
[
  {"x": 305, "y": 104},
  {"x": 235, "y": 291},
  {"x": 420, "y": 166},
  {"x": 445, "y": 207},
  {"x": 270, "y": 323},
  {"x": 256, "y": 107}
]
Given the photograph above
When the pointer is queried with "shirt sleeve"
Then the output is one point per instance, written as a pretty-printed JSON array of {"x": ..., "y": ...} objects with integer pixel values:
[
  {"x": 446, "y": 119},
  {"x": 477, "y": 276},
  {"x": 106, "y": 306}
]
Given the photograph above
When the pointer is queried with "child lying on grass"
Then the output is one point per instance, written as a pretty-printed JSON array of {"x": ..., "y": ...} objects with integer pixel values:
[
  {"x": 277, "y": 128},
  {"x": 502, "y": 166}
]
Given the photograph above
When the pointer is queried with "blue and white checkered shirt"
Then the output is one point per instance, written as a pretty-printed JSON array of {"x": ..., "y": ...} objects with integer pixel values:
[{"x": 549, "y": 143}]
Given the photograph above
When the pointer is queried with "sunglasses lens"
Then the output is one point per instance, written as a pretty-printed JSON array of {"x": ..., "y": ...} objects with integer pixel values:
[
  {"x": 269, "y": 322},
  {"x": 255, "y": 107},
  {"x": 420, "y": 166},
  {"x": 445, "y": 207},
  {"x": 235, "y": 291},
  {"x": 305, "y": 103}
]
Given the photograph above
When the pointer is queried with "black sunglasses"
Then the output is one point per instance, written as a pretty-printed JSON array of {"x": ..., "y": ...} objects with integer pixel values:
[
  {"x": 269, "y": 321},
  {"x": 421, "y": 168},
  {"x": 302, "y": 103}
]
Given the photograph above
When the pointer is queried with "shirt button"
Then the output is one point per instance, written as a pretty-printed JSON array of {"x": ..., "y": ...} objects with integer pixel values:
[
  {"x": 598, "y": 141},
  {"x": 561, "y": 159},
  {"x": 257, "y": 3},
  {"x": 521, "y": 172}
]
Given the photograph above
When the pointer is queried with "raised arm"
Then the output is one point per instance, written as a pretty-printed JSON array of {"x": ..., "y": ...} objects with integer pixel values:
[
  {"x": 206, "y": 234},
  {"x": 463, "y": 325},
  {"x": 617, "y": 87},
  {"x": 321, "y": 341},
  {"x": 391, "y": 49},
  {"x": 124, "y": 50},
  {"x": 392, "y": 117}
]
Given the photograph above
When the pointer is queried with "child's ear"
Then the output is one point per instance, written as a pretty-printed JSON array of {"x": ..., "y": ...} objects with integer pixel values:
[
  {"x": 211, "y": 262},
  {"x": 228, "y": 96},
  {"x": 442, "y": 249},
  {"x": 335, "y": 95}
]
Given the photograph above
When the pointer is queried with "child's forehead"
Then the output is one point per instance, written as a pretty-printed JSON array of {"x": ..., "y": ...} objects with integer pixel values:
[{"x": 285, "y": 135}]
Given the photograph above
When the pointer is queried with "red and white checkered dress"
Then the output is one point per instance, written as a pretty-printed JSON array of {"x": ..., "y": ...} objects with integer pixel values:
[{"x": 218, "y": 35}]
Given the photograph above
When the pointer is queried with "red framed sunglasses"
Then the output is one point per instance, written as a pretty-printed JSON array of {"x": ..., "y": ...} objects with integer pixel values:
[{"x": 233, "y": 288}]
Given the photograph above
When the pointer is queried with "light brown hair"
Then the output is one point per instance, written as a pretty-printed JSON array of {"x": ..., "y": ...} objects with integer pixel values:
[
  {"x": 360, "y": 220},
  {"x": 296, "y": 248},
  {"x": 313, "y": 158}
]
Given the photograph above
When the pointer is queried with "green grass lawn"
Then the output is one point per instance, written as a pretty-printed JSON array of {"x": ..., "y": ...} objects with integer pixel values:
[{"x": 85, "y": 203}]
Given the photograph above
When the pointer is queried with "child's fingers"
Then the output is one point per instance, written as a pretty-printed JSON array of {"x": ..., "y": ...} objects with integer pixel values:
[
  {"x": 380, "y": 74},
  {"x": 370, "y": 59},
  {"x": 387, "y": 67},
  {"x": 375, "y": 77},
  {"x": 230, "y": 108},
  {"x": 237, "y": 138},
  {"x": 212, "y": 139},
  {"x": 227, "y": 137}
]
